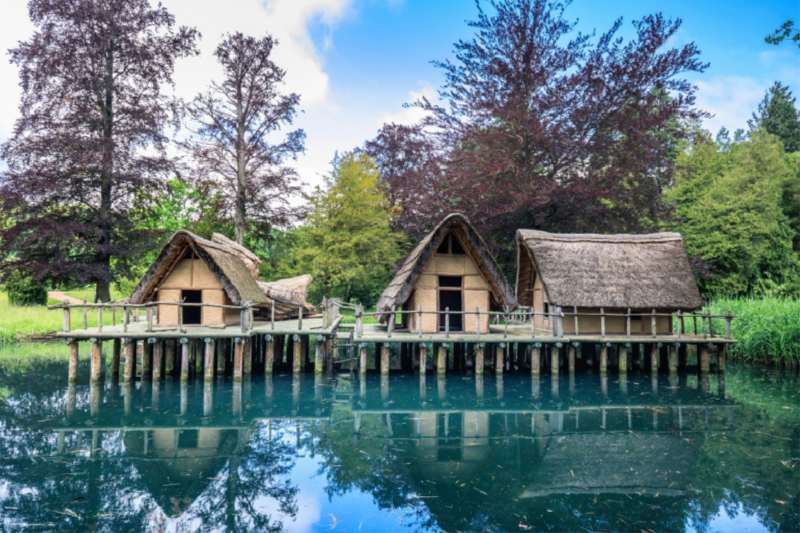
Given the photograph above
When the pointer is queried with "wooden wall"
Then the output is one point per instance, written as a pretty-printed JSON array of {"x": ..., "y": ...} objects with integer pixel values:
[{"x": 193, "y": 274}]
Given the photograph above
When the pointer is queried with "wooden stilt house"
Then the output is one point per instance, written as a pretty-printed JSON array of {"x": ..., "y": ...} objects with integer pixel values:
[
  {"x": 451, "y": 268},
  {"x": 195, "y": 270},
  {"x": 610, "y": 274}
]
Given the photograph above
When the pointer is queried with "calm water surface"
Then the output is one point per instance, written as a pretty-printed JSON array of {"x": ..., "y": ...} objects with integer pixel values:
[{"x": 454, "y": 454}]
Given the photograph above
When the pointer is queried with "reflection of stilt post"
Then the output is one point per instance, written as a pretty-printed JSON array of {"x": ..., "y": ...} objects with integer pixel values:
[
  {"x": 208, "y": 398},
  {"x": 423, "y": 386},
  {"x": 208, "y": 362},
  {"x": 385, "y": 359},
  {"x": 184, "y": 360},
  {"x": 268, "y": 389},
  {"x": 357, "y": 423},
  {"x": 154, "y": 398},
  {"x": 500, "y": 386},
  {"x": 499, "y": 359},
  {"x": 479, "y": 387},
  {"x": 623, "y": 385},
  {"x": 319, "y": 360},
  {"x": 72, "y": 399},
  {"x": 295, "y": 393},
  {"x": 554, "y": 385},
  {"x": 73, "y": 361},
  {"x": 115, "y": 356},
  {"x": 184, "y": 397},
  {"x": 441, "y": 387},
  {"x": 237, "y": 399},
  {"x": 572, "y": 383},
  {"x": 269, "y": 354},
  {"x": 536, "y": 387},
  {"x": 97, "y": 354},
  {"x": 423, "y": 360},
  {"x": 384, "y": 388},
  {"x": 319, "y": 388},
  {"x": 94, "y": 400},
  {"x": 238, "y": 358},
  {"x": 705, "y": 385},
  {"x": 654, "y": 385},
  {"x": 623, "y": 358},
  {"x": 604, "y": 385},
  {"x": 127, "y": 391},
  {"x": 721, "y": 383}
]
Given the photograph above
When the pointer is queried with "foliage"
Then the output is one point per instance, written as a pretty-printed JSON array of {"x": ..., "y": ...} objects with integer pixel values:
[
  {"x": 236, "y": 121},
  {"x": 784, "y": 32},
  {"x": 24, "y": 291},
  {"x": 90, "y": 136},
  {"x": 547, "y": 129},
  {"x": 720, "y": 194},
  {"x": 766, "y": 329},
  {"x": 778, "y": 115},
  {"x": 347, "y": 242}
]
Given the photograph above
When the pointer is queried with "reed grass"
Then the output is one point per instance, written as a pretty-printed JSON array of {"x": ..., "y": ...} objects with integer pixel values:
[{"x": 767, "y": 329}]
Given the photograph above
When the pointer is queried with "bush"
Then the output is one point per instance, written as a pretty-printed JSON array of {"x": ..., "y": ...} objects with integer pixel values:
[{"x": 25, "y": 291}]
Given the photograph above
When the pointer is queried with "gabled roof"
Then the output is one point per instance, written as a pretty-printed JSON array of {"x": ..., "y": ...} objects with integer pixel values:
[
  {"x": 617, "y": 271},
  {"x": 400, "y": 287},
  {"x": 223, "y": 261}
]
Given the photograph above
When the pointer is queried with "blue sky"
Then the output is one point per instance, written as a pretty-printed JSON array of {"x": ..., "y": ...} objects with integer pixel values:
[{"x": 355, "y": 62}]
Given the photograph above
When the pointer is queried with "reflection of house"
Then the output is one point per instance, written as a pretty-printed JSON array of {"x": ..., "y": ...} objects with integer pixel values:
[
  {"x": 612, "y": 272},
  {"x": 195, "y": 270},
  {"x": 177, "y": 466},
  {"x": 451, "y": 269}
]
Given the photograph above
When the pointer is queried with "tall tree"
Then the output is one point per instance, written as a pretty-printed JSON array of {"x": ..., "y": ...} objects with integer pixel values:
[
  {"x": 347, "y": 242},
  {"x": 90, "y": 136},
  {"x": 236, "y": 121},
  {"x": 557, "y": 133},
  {"x": 778, "y": 115}
]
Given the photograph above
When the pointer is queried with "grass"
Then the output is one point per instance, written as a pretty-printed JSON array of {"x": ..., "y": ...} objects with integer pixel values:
[
  {"x": 767, "y": 329},
  {"x": 18, "y": 321}
]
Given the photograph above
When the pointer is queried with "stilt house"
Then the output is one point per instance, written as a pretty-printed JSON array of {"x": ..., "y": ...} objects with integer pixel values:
[
  {"x": 451, "y": 269},
  {"x": 585, "y": 273}
]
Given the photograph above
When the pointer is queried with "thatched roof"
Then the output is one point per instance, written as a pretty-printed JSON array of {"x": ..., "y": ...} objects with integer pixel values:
[
  {"x": 223, "y": 261},
  {"x": 400, "y": 287},
  {"x": 288, "y": 294},
  {"x": 250, "y": 260},
  {"x": 615, "y": 271}
]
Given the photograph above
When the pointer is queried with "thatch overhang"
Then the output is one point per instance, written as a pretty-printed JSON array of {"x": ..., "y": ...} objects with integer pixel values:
[
  {"x": 401, "y": 286},
  {"x": 611, "y": 271},
  {"x": 288, "y": 295},
  {"x": 224, "y": 262}
]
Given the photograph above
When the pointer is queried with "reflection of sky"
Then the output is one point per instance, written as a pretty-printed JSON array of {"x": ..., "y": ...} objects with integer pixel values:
[{"x": 740, "y": 521}]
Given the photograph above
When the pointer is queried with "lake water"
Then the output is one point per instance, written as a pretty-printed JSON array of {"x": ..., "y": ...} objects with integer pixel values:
[{"x": 342, "y": 454}]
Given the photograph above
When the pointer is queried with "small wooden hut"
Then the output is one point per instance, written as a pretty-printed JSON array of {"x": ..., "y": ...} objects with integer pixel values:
[
  {"x": 451, "y": 268},
  {"x": 195, "y": 270},
  {"x": 588, "y": 272}
]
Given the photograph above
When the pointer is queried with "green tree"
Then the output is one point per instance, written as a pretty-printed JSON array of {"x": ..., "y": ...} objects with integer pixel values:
[
  {"x": 728, "y": 197},
  {"x": 778, "y": 115},
  {"x": 347, "y": 242},
  {"x": 786, "y": 31}
]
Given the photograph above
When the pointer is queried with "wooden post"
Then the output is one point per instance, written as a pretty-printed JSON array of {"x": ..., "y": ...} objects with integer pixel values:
[
  {"x": 423, "y": 359},
  {"x": 602, "y": 327},
  {"x": 385, "y": 355},
  {"x": 727, "y": 325},
  {"x": 73, "y": 361},
  {"x": 300, "y": 317},
  {"x": 680, "y": 323},
  {"x": 419, "y": 314},
  {"x": 169, "y": 357},
  {"x": 604, "y": 359},
  {"x": 238, "y": 358},
  {"x": 269, "y": 354},
  {"x": 67, "y": 322},
  {"x": 85, "y": 318},
  {"x": 129, "y": 371},
  {"x": 319, "y": 359},
  {"x": 147, "y": 353},
  {"x": 272, "y": 315},
  {"x": 157, "y": 363},
  {"x": 536, "y": 359},
  {"x": 125, "y": 318},
  {"x": 390, "y": 326},
  {"x": 499, "y": 360},
  {"x": 653, "y": 326},
  {"x": 623, "y": 357},
  {"x": 359, "y": 321},
  {"x": 297, "y": 354},
  {"x": 721, "y": 357},
  {"x": 704, "y": 360},
  {"x": 628, "y": 323},
  {"x": 184, "y": 360},
  {"x": 115, "y": 353},
  {"x": 446, "y": 322},
  {"x": 441, "y": 363},
  {"x": 208, "y": 359},
  {"x": 673, "y": 358},
  {"x": 362, "y": 356},
  {"x": 248, "y": 357},
  {"x": 555, "y": 356},
  {"x": 575, "y": 312},
  {"x": 479, "y": 359},
  {"x": 571, "y": 357},
  {"x": 654, "y": 357}
]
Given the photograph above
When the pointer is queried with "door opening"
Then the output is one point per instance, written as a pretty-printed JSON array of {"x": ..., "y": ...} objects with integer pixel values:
[
  {"x": 192, "y": 315},
  {"x": 451, "y": 298}
]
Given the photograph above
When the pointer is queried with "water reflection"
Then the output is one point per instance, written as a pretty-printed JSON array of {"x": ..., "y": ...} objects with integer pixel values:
[{"x": 437, "y": 453}]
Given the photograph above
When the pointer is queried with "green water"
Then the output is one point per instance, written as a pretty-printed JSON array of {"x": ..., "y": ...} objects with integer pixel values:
[{"x": 342, "y": 454}]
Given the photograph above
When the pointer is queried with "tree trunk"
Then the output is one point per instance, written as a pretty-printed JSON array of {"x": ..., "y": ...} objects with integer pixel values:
[
  {"x": 102, "y": 289},
  {"x": 241, "y": 163}
]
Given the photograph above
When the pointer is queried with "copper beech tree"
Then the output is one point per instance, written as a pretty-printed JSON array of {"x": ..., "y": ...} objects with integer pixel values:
[
  {"x": 543, "y": 127},
  {"x": 235, "y": 123},
  {"x": 90, "y": 137}
]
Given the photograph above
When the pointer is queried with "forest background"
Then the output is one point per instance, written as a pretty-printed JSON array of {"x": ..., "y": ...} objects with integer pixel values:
[{"x": 537, "y": 126}]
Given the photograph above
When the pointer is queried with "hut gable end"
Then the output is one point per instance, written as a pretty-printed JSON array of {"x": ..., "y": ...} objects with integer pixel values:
[{"x": 611, "y": 271}]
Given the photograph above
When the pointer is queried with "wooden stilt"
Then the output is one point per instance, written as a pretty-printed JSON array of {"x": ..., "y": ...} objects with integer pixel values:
[
  {"x": 208, "y": 363},
  {"x": 97, "y": 354},
  {"x": 385, "y": 359},
  {"x": 319, "y": 360},
  {"x": 248, "y": 357},
  {"x": 721, "y": 358},
  {"x": 147, "y": 355},
  {"x": 623, "y": 358},
  {"x": 555, "y": 358},
  {"x": 158, "y": 364},
  {"x": 499, "y": 359},
  {"x": 185, "y": 360},
  {"x": 169, "y": 357},
  {"x": 73, "y": 362},
  {"x": 269, "y": 354},
  {"x": 115, "y": 355},
  {"x": 297, "y": 355},
  {"x": 238, "y": 359},
  {"x": 704, "y": 359},
  {"x": 441, "y": 362},
  {"x": 654, "y": 357},
  {"x": 479, "y": 359},
  {"x": 362, "y": 359},
  {"x": 571, "y": 357},
  {"x": 129, "y": 371},
  {"x": 673, "y": 359},
  {"x": 423, "y": 359},
  {"x": 604, "y": 359}
]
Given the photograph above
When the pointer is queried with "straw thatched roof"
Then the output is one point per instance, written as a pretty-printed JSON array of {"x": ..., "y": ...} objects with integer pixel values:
[
  {"x": 587, "y": 270},
  {"x": 250, "y": 260},
  {"x": 224, "y": 262},
  {"x": 288, "y": 294},
  {"x": 400, "y": 287}
]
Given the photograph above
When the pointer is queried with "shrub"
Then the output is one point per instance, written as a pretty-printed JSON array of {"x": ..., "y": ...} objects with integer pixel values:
[{"x": 25, "y": 291}]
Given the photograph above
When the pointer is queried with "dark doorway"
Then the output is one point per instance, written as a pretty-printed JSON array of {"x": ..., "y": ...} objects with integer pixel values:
[
  {"x": 451, "y": 299},
  {"x": 192, "y": 315}
]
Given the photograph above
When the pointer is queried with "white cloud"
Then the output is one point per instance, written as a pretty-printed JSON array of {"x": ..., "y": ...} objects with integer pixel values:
[
  {"x": 15, "y": 26},
  {"x": 731, "y": 99},
  {"x": 410, "y": 115}
]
